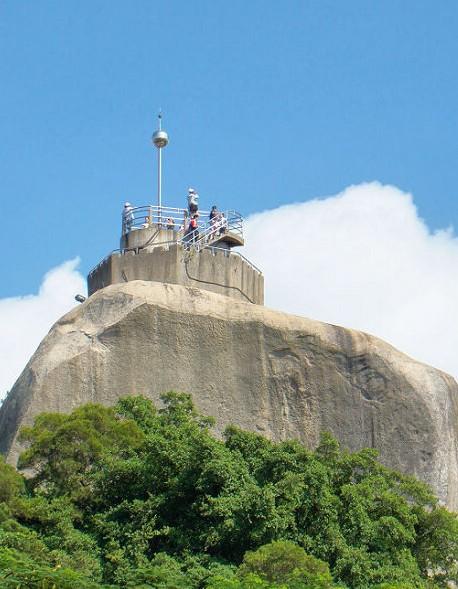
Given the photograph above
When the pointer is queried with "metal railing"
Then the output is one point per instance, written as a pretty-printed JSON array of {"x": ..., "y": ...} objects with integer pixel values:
[
  {"x": 229, "y": 252},
  {"x": 214, "y": 230},
  {"x": 147, "y": 215},
  {"x": 178, "y": 220}
]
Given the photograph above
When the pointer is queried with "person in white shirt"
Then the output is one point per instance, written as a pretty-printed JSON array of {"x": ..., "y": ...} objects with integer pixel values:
[
  {"x": 128, "y": 216},
  {"x": 193, "y": 201},
  {"x": 223, "y": 224}
]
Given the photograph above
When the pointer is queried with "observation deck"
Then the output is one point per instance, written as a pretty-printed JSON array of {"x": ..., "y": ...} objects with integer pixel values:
[
  {"x": 158, "y": 244},
  {"x": 148, "y": 226}
]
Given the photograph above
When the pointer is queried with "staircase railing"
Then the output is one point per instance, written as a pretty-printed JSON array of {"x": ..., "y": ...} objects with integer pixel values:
[{"x": 209, "y": 233}]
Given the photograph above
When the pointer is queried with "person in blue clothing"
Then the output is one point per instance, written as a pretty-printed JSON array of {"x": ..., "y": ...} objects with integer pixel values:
[{"x": 213, "y": 213}]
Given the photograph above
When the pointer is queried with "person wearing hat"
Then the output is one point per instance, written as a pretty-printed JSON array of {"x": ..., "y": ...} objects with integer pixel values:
[
  {"x": 128, "y": 216},
  {"x": 193, "y": 201}
]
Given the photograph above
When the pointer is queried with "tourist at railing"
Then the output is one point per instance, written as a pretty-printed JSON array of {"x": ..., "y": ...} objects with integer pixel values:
[
  {"x": 193, "y": 201},
  {"x": 192, "y": 232},
  {"x": 214, "y": 217},
  {"x": 128, "y": 216},
  {"x": 223, "y": 224},
  {"x": 194, "y": 224},
  {"x": 213, "y": 213}
]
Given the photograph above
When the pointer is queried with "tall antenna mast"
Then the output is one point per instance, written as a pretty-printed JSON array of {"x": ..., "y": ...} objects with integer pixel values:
[{"x": 160, "y": 140}]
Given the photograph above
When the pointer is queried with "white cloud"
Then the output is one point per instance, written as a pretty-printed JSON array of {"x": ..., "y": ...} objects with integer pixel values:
[
  {"x": 364, "y": 259},
  {"x": 26, "y": 320}
]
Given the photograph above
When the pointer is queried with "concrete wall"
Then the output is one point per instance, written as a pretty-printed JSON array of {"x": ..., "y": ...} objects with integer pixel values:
[
  {"x": 217, "y": 271},
  {"x": 140, "y": 238}
]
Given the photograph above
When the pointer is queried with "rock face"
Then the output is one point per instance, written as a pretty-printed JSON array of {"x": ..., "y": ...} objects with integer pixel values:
[{"x": 277, "y": 374}]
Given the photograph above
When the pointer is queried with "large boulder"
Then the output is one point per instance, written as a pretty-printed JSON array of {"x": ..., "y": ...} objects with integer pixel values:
[{"x": 269, "y": 372}]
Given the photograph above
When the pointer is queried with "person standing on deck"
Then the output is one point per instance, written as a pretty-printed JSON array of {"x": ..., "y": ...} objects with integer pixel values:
[
  {"x": 193, "y": 201},
  {"x": 128, "y": 216},
  {"x": 214, "y": 217}
]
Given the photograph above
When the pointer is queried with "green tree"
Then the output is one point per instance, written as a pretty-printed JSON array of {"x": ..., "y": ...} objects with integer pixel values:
[
  {"x": 251, "y": 581},
  {"x": 135, "y": 496},
  {"x": 19, "y": 571},
  {"x": 64, "y": 448},
  {"x": 162, "y": 572},
  {"x": 436, "y": 545},
  {"x": 288, "y": 563},
  {"x": 139, "y": 409},
  {"x": 11, "y": 482}
]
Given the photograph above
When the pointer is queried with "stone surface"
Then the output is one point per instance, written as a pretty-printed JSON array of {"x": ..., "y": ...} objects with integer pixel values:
[{"x": 277, "y": 374}]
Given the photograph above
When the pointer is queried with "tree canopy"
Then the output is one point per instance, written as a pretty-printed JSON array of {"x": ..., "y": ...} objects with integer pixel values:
[{"x": 135, "y": 496}]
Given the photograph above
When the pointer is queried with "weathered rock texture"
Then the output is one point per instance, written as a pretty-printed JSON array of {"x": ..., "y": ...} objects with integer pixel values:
[{"x": 278, "y": 374}]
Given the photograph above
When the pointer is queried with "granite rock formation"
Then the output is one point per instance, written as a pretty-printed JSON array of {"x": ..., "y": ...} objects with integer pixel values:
[{"x": 270, "y": 372}]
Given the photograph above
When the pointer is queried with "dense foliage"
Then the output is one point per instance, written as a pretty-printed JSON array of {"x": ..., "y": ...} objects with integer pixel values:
[{"x": 135, "y": 497}]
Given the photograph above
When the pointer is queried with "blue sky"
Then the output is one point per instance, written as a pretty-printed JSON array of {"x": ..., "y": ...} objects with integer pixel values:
[{"x": 266, "y": 103}]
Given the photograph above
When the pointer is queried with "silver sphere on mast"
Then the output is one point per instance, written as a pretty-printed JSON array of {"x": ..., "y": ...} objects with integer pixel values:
[
  {"x": 160, "y": 140},
  {"x": 160, "y": 137}
]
